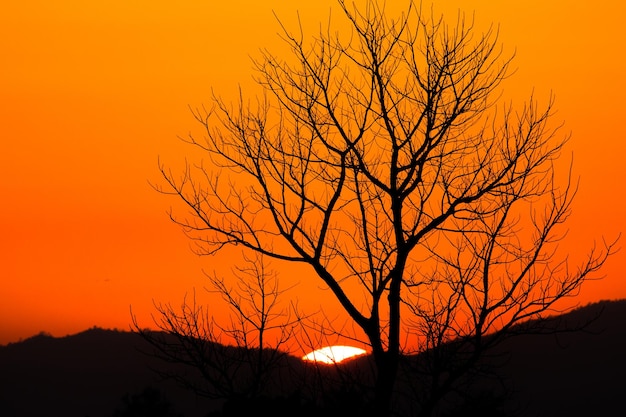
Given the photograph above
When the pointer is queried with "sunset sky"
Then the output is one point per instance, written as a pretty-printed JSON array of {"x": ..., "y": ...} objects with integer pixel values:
[{"x": 93, "y": 93}]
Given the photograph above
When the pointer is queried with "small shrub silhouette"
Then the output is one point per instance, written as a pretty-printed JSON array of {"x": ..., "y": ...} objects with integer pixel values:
[
  {"x": 485, "y": 404},
  {"x": 148, "y": 403},
  {"x": 275, "y": 406}
]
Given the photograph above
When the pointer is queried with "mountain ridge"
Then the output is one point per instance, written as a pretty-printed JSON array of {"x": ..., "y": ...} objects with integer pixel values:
[{"x": 89, "y": 373}]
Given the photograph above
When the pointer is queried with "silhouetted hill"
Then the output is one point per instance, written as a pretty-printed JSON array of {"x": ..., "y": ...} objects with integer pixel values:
[
  {"x": 572, "y": 374},
  {"x": 87, "y": 374}
]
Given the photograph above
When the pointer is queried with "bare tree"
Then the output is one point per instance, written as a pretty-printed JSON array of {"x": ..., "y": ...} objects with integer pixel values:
[
  {"x": 239, "y": 360},
  {"x": 381, "y": 158}
]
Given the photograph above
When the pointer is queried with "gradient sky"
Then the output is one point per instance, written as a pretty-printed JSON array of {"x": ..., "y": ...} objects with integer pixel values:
[{"x": 92, "y": 93}]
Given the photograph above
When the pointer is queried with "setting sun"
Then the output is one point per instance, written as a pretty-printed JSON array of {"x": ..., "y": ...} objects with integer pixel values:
[{"x": 333, "y": 354}]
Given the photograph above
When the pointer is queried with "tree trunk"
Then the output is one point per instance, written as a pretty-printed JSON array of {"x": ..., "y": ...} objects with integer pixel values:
[{"x": 387, "y": 369}]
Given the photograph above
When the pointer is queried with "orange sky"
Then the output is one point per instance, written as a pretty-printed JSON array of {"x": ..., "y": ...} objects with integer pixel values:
[{"x": 92, "y": 93}]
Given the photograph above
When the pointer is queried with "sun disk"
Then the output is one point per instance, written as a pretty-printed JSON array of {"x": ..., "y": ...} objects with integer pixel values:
[{"x": 333, "y": 354}]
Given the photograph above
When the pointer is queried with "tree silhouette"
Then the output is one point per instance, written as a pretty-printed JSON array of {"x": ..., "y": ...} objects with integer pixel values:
[
  {"x": 148, "y": 403},
  {"x": 259, "y": 329},
  {"x": 381, "y": 160}
]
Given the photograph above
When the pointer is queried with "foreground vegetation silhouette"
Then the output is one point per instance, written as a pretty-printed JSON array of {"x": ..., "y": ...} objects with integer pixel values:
[
  {"x": 150, "y": 402},
  {"x": 574, "y": 374},
  {"x": 379, "y": 158}
]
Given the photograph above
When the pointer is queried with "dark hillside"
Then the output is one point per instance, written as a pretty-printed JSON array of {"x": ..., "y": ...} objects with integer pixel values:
[
  {"x": 87, "y": 374},
  {"x": 572, "y": 374}
]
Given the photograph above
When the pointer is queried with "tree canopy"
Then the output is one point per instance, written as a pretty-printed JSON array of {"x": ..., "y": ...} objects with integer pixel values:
[{"x": 382, "y": 159}]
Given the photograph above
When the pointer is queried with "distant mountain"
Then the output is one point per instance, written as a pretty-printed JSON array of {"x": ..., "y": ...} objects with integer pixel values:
[
  {"x": 571, "y": 374},
  {"x": 88, "y": 374}
]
